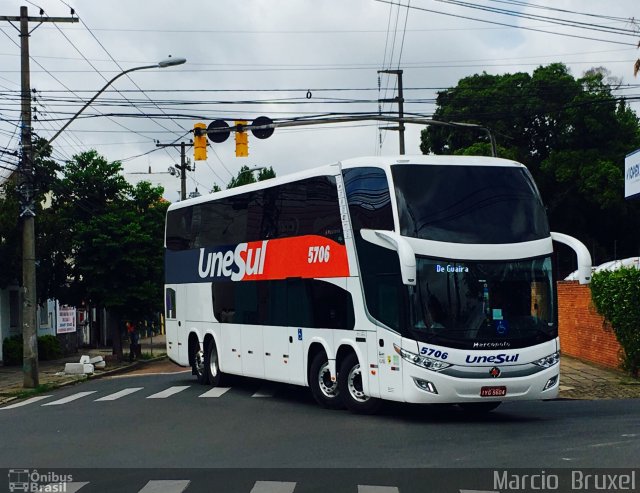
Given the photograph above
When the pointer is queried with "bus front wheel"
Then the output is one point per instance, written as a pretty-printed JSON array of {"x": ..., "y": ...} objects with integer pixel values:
[
  {"x": 324, "y": 390},
  {"x": 351, "y": 388},
  {"x": 212, "y": 364}
]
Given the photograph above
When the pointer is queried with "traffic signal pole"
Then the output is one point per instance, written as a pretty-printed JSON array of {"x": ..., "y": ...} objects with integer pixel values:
[{"x": 349, "y": 119}]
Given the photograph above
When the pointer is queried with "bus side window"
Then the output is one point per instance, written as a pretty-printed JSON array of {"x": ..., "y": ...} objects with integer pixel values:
[{"x": 171, "y": 303}]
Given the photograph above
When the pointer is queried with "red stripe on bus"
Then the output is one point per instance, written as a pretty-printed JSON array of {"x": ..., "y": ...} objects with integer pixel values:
[{"x": 300, "y": 256}]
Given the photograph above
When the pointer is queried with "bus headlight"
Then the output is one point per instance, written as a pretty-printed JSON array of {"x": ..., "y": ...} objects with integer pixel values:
[
  {"x": 548, "y": 361},
  {"x": 421, "y": 361}
]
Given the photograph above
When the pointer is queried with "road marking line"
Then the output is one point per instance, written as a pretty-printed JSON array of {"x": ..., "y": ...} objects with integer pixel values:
[
  {"x": 377, "y": 489},
  {"x": 28, "y": 401},
  {"x": 70, "y": 398},
  {"x": 273, "y": 487},
  {"x": 169, "y": 392},
  {"x": 166, "y": 486},
  {"x": 264, "y": 391},
  {"x": 215, "y": 392},
  {"x": 117, "y": 395}
]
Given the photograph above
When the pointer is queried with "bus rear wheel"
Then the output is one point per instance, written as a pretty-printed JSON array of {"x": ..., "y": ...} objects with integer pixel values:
[
  {"x": 351, "y": 388},
  {"x": 212, "y": 364},
  {"x": 197, "y": 365},
  {"x": 324, "y": 390}
]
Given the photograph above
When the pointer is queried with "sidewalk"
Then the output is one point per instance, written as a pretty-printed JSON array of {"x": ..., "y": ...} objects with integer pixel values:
[
  {"x": 51, "y": 373},
  {"x": 578, "y": 380}
]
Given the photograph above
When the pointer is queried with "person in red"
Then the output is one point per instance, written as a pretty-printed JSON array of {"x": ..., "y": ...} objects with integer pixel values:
[{"x": 133, "y": 339}]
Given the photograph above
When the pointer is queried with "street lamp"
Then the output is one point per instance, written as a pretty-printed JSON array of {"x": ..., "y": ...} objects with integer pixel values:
[
  {"x": 169, "y": 62},
  {"x": 29, "y": 311}
]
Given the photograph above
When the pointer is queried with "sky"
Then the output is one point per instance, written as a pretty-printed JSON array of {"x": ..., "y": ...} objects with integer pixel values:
[{"x": 282, "y": 59}]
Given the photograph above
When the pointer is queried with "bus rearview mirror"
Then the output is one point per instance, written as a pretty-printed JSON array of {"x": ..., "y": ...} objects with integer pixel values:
[{"x": 393, "y": 241}]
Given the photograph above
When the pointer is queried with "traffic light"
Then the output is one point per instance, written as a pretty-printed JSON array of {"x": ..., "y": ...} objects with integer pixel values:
[
  {"x": 242, "y": 140},
  {"x": 199, "y": 142}
]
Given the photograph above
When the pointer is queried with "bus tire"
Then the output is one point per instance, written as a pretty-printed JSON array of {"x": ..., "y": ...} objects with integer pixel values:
[
  {"x": 212, "y": 364},
  {"x": 479, "y": 407},
  {"x": 351, "y": 389},
  {"x": 197, "y": 365},
  {"x": 324, "y": 391}
]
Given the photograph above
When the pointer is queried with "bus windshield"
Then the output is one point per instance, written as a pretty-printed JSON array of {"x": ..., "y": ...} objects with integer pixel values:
[
  {"x": 469, "y": 204},
  {"x": 483, "y": 305}
]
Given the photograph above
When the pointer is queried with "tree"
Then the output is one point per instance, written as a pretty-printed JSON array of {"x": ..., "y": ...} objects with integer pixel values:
[
  {"x": 246, "y": 176},
  {"x": 113, "y": 240},
  {"x": 571, "y": 133},
  {"x": 44, "y": 178}
]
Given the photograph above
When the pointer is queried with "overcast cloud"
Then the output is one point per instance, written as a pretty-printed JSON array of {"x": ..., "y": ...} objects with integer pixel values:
[{"x": 271, "y": 52}]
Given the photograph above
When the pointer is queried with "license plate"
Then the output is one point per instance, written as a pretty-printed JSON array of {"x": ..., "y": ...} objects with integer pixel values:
[{"x": 493, "y": 391}]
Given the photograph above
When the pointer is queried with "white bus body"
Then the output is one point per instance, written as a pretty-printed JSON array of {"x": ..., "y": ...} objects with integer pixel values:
[{"x": 422, "y": 279}]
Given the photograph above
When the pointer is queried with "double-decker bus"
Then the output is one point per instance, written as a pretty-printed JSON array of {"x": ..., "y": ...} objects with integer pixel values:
[{"x": 421, "y": 279}]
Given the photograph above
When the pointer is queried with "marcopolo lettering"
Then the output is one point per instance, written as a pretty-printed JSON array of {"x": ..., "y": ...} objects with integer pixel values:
[
  {"x": 233, "y": 264},
  {"x": 495, "y": 359}
]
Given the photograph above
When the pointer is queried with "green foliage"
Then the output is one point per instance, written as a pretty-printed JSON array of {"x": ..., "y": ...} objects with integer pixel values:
[
  {"x": 105, "y": 239},
  {"x": 246, "y": 176},
  {"x": 48, "y": 348},
  {"x": 616, "y": 296},
  {"x": 571, "y": 133},
  {"x": 12, "y": 349},
  {"x": 44, "y": 176}
]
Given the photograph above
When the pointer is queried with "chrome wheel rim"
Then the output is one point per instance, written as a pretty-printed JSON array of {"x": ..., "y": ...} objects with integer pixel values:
[
  {"x": 199, "y": 362},
  {"x": 328, "y": 388},
  {"x": 354, "y": 384},
  {"x": 213, "y": 363}
]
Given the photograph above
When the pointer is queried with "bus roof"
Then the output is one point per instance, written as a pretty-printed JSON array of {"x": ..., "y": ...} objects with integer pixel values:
[{"x": 378, "y": 161}]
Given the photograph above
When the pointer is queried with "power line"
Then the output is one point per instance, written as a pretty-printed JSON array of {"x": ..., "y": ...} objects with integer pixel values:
[{"x": 507, "y": 25}]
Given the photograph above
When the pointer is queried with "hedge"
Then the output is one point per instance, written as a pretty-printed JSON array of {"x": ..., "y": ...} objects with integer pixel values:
[
  {"x": 616, "y": 296},
  {"x": 48, "y": 349}
]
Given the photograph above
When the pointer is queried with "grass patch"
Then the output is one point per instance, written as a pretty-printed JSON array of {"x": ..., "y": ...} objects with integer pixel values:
[
  {"x": 22, "y": 393},
  {"x": 148, "y": 356}
]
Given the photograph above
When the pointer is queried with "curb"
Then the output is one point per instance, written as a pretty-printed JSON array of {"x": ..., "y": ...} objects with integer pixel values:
[
  {"x": 124, "y": 369},
  {"x": 94, "y": 376}
]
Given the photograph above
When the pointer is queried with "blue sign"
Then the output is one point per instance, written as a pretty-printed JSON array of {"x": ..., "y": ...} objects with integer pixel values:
[{"x": 502, "y": 327}]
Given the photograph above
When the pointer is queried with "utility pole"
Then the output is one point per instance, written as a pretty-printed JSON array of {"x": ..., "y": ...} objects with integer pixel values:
[
  {"x": 27, "y": 210},
  {"x": 400, "y": 101},
  {"x": 183, "y": 167}
]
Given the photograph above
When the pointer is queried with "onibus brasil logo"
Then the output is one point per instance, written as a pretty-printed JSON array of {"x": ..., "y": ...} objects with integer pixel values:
[{"x": 32, "y": 481}]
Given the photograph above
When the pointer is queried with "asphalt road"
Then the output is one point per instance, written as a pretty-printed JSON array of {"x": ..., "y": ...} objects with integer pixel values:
[{"x": 279, "y": 434}]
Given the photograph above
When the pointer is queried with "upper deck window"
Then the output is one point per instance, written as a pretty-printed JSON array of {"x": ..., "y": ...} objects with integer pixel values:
[
  {"x": 469, "y": 204},
  {"x": 368, "y": 197}
]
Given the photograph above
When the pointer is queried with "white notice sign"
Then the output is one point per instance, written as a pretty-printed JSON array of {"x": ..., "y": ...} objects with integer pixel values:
[
  {"x": 66, "y": 320},
  {"x": 632, "y": 175}
]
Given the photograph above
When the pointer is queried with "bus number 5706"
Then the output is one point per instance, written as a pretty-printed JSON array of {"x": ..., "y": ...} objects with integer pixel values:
[{"x": 318, "y": 254}]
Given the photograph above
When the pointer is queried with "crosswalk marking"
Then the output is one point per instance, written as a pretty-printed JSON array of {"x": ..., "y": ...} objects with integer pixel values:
[
  {"x": 273, "y": 487},
  {"x": 117, "y": 395},
  {"x": 28, "y": 401},
  {"x": 166, "y": 486},
  {"x": 69, "y": 398},
  {"x": 215, "y": 392},
  {"x": 169, "y": 392},
  {"x": 377, "y": 489},
  {"x": 264, "y": 391}
]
